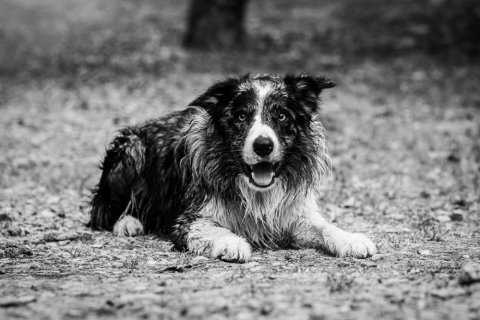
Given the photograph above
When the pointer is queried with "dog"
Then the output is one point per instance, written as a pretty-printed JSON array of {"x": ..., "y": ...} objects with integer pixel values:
[{"x": 239, "y": 168}]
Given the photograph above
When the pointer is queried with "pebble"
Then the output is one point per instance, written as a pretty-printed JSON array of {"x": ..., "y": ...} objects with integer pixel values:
[
  {"x": 456, "y": 215},
  {"x": 470, "y": 273},
  {"x": 349, "y": 203},
  {"x": 47, "y": 213},
  {"x": 151, "y": 262},
  {"x": 266, "y": 309},
  {"x": 424, "y": 252},
  {"x": 343, "y": 264},
  {"x": 377, "y": 257},
  {"x": 368, "y": 264},
  {"x": 443, "y": 218}
]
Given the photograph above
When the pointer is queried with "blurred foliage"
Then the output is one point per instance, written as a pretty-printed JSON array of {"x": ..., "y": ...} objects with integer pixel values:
[
  {"x": 455, "y": 23},
  {"x": 431, "y": 26}
]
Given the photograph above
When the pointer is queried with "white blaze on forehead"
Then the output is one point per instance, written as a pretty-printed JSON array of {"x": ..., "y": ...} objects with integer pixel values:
[{"x": 262, "y": 90}]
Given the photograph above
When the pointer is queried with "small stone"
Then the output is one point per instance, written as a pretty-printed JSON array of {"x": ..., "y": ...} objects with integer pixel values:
[
  {"x": 456, "y": 215},
  {"x": 368, "y": 264},
  {"x": 266, "y": 309},
  {"x": 343, "y": 264},
  {"x": 151, "y": 262},
  {"x": 425, "y": 194},
  {"x": 452, "y": 157},
  {"x": 117, "y": 265},
  {"x": 349, "y": 203},
  {"x": 53, "y": 199},
  {"x": 47, "y": 213},
  {"x": 459, "y": 201},
  {"x": 254, "y": 304},
  {"x": 443, "y": 218},
  {"x": 424, "y": 252},
  {"x": 390, "y": 195},
  {"x": 470, "y": 273},
  {"x": 377, "y": 257}
]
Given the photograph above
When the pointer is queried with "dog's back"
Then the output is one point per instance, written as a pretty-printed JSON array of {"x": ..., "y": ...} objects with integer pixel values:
[{"x": 141, "y": 159}]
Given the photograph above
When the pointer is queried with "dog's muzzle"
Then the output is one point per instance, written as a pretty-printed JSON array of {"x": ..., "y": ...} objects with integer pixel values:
[{"x": 261, "y": 156}]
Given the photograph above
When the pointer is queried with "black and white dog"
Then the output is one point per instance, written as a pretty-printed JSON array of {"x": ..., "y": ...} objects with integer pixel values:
[{"x": 239, "y": 168}]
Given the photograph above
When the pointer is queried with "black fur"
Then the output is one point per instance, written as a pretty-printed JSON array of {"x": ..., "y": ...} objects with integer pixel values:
[{"x": 163, "y": 171}]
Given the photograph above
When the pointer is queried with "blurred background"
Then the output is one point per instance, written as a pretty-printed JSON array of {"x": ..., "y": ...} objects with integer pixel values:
[{"x": 125, "y": 37}]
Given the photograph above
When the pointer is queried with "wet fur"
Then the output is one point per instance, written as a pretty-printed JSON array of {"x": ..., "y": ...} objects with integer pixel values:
[{"x": 181, "y": 174}]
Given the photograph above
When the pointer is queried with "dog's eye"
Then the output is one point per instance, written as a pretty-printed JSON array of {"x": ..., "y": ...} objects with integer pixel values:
[
  {"x": 241, "y": 117},
  {"x": 282, "y": 117}
]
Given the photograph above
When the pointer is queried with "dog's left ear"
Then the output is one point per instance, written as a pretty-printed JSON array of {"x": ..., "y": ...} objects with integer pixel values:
[
  {"x": 306, "y": 89},
  {"x": 218, "y": 95}
]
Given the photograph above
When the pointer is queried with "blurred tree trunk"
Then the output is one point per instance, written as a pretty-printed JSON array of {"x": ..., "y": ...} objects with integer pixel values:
[{"x": 215, "y": 24}]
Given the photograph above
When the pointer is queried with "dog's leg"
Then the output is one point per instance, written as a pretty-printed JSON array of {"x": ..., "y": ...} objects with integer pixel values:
[
  {"x": 316, "y": 232},
  {"x": 205, "y": 237},
  {"x": 127, "y": 226}
]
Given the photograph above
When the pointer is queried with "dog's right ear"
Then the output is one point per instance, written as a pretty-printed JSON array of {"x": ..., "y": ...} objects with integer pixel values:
[{"x": 218, "y": 95}]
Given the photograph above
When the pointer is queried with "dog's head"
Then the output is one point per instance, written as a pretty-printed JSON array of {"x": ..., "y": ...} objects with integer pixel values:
[{"x": 263, "y": 125}]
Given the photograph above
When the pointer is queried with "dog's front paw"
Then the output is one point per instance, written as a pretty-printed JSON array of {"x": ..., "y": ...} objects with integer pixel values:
[
  {"x": 128, "y": 226},
  {"x": 231, "y": 249},
  {"x": 356, "y": 245},
  {"x": 346, "y": 244}
]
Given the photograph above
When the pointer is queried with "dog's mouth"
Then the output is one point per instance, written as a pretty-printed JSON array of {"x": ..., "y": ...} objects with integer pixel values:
[{"x": 262, "y": 174}]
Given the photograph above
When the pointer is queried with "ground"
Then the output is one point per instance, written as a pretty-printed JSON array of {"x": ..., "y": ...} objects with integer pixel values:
[{"x": 404, "y": 136}]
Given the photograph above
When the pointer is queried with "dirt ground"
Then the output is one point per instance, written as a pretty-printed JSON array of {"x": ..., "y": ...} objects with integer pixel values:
[{"x": 404, "y": 136}]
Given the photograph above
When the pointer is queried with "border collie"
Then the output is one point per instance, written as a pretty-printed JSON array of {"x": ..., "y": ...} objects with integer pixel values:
[{"x": 240, "y": 168}]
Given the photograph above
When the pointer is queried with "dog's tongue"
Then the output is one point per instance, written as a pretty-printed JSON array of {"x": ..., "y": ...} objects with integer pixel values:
[{"x": 262, "y": 173}]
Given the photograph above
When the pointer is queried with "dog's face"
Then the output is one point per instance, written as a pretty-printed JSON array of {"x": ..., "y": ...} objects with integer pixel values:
[{"x": 263, "y": 123}]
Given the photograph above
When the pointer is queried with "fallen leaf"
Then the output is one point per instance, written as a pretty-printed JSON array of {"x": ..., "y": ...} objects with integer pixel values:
[{"x": 424, "y": 252}]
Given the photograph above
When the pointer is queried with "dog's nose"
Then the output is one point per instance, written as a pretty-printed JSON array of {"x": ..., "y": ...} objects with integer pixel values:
[{"x": 263, "y": 146}]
